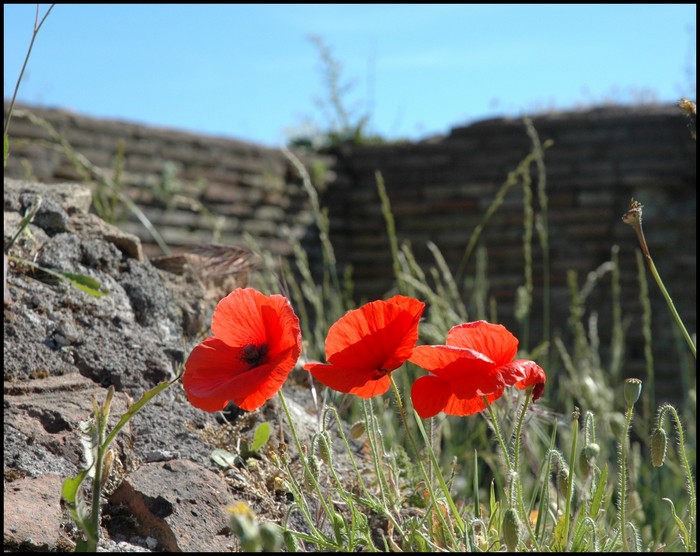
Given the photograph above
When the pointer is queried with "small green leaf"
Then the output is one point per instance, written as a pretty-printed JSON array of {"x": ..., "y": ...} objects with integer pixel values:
[
  {"x": 560, "y": 534},
  {"x": 262, "y": 434},
  {"x": 597, "y": 500},
  {"x": 7, "y": 151},
  {"x": 223, "y": 458},
  {"x": 84, "y": 283},
  {"x": 73, "y": 498},
  {"x": 80, "y": 281},
  {"x": 685, "y": 537}
]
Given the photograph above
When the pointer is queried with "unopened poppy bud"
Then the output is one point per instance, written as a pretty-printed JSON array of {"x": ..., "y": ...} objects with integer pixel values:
[
  {"x": 588, "y": 455},
  {"x": 339, "y": 528},
  {"x": 633, "y": 388},
  {"x": 659, "y": 442},
  {"x": 617, "y": 424},
  {"x": 357, "y": 430},
  {"x": 311, "y": 472},
  {"x": 243, "y": 524},
  {"x": 270, "y": 537},
  {"x": 556, "y": 461},
  {"x": 324, "y": 449},
  {"x": 290, "y": 541},
  {"x": 512, "y": 529},
  {"x": 563, "y": 480}
]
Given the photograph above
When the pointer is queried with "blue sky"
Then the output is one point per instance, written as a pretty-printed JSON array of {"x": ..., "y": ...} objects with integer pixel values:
[{"x": 251, "y": 72}]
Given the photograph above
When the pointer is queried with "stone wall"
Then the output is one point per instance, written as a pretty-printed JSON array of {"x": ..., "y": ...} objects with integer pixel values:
[{"x": 201, "y": 189}]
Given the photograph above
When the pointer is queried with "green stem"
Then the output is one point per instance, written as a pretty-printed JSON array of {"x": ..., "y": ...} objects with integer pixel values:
[
  {"x": 93, "y": 539},
  {"x": 671, "y": 306},
  {"x": 497, "y": 430},
  {"x": 438, "y": 472},
  {"x": 378, "y": 469},
  {"x": 623, "y": 477},
  {"x": 292, "y": 429},
  {"x": 637, "y": 225},
  {"x": 516, "y": 467},
  {"x": 360, "y": 481},
  {"x": 690, "y": 481},
  {"x": 570, "y": 482}
]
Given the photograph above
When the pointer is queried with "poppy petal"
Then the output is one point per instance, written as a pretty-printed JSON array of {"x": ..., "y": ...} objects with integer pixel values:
[
  {"x": 237, "y": 319},
  {"x": 359, "y": 381},
  {"x": 429, "y": 395},
  {"x": 523, "y": 373},
  {"x": 210, "y": 364},
  {"x": 215, "y": 373},
  {"x": 246, "y": 316},
  {"x": 462, "y": 407},
  {"x": 493, "y": 340},
  {"x": 468, "y": 372},
  {"x": 378, "y": 335}
]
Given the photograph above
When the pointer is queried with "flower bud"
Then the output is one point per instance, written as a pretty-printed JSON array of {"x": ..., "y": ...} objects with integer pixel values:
[
  {"x": 588, "y": 455},
  {"x": 563, "y": 480},
  {"x": 313, "y": 471},
  {"x": 659, "y": 442},
  {"x": 512, "y": 529},
  {"x": 270, "y": 537},
  {"x": 339, "y": 527},
  {"x": 290, "y": 541},
  {"x": 324, "y": 448}
]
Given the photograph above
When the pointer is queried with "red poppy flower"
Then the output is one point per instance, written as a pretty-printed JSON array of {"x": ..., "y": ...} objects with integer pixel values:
[
  {"x": 256, "y": 343},
  {"x": 476, "y": 361},
  {"x": 366, "y": 344}
]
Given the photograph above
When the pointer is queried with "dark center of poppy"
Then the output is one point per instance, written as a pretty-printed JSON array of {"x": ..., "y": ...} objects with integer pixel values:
[
  {"x": 379, "y": 373},
  {"x": 254, "y": 355}
]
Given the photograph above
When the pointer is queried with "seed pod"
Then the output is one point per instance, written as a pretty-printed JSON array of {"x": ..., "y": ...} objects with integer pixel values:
[{"x": 633, "y": 388}]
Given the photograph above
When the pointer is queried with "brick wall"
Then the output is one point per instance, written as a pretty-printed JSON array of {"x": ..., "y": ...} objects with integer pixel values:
[{"x": 439, "y": 191}]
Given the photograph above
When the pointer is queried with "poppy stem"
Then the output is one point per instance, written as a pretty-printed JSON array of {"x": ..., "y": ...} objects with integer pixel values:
[
  {"x": 376, "y": 458},
  {"x": 516, "y": 467},
  {"x": 307, "y": 471},
  {"x": 633, "y": 217},
  {"x": 431, "y": 453},
  {"x": 499, "y": 436},
  {"x": 371, "y": 500}
]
